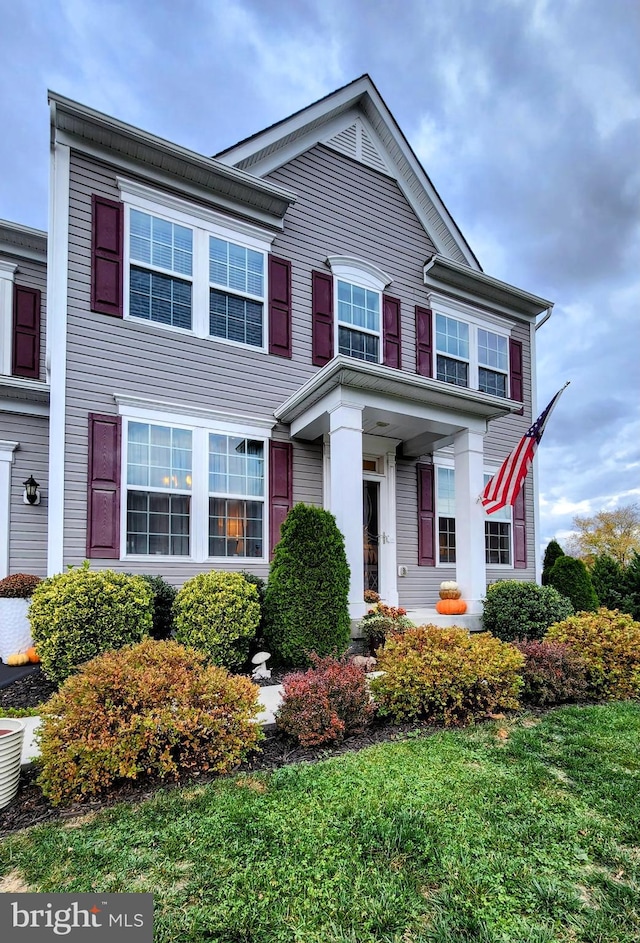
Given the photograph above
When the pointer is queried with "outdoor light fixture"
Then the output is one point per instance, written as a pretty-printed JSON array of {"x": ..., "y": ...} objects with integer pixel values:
[{"x": 31, "y": 493}]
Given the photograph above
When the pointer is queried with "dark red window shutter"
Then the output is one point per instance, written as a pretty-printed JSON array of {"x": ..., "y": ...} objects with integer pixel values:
[
  {"x": 107, "y": 256},
  {"x": 322, "y": 318},
  {"x": 515, "y": 370},
  {"x": 426, "y": 516},
  {"x": 279, "y": 307},
  {"x": 520, "y": 531},
  {"x": 103, "y": 503},
  {"x": 424, "y": 344},
  {"x": 26, "y": 332},
  {"x": 391, "y": 332},
  {"x": 280, "y": 488}
]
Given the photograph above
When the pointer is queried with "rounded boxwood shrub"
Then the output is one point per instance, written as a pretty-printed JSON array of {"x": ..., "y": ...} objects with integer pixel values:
[
  {"x": 328, "y": 702},
  {"x": 553, "y": 673},
  {"x": 149, "y": 710},
  {"x": 218, "y": 613},
  {"x": 515, "y": 609},
  {"x": 446, "y": 675},
  {"x": 571, "y": 578},
  {"x": 609, "y": 644},
  {"x": 78, "y": 614},
  {"x": 306, "y": 603}
]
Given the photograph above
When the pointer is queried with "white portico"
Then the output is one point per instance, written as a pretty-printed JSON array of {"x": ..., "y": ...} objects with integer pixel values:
[{"x": 366, "y": 413}]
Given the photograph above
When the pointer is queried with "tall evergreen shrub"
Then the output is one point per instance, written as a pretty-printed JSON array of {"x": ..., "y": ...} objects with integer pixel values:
[
  {"x": 306, "y": 602},
  {"x": 571, "y": 578},
  {"x": 551, "y": 554},
  {"x": 609, "y": 581}
]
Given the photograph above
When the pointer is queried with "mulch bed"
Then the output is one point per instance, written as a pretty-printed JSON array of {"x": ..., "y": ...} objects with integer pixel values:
[{"x": 31, "y": 808}]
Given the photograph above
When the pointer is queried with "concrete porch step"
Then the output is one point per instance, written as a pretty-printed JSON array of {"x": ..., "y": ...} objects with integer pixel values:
[{"x": 429, "y": 616}]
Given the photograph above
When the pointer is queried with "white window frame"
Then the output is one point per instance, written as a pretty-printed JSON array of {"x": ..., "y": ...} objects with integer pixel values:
[
  {"x": 200, "y": 423},
  {"x": 7, "y": 273},
  {"x": 204, "y": 223},
  {"x": 444, "y": 462},
  {"x": 475, "y": 322},
  {"x": 361, "y": 274}
]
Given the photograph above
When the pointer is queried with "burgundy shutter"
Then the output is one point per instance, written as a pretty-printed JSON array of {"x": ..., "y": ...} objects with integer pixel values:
[
  {"x": 391, "y": 339},
  {"x": 26, "y": 332},
  {"x": 515, "y": 372},
  {"x": 426, "y": 516},
  {"x": 322, "y": 318},
  {"x": 520, "y": 531},
  {"x": 107, "y": 256},
  {"x": 280, "y": 488},
  {"x": 424, "y": 343},
  {"x": 103, "y": 504},
  {"x": 279, "y": 307}
]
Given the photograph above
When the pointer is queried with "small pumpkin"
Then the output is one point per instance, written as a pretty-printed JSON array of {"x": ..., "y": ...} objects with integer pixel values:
[
  {"x": 18, "y": 658},
  {"x": 448, "y": 584},
  {"x": 32, "y": 655},
  {"x": 451, "y": 607}
]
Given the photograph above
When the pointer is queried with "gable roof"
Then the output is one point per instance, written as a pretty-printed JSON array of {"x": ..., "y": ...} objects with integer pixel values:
[{"x": 355, "y": 121}]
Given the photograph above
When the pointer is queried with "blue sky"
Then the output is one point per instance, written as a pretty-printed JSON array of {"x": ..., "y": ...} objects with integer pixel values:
[{"x": 524, "y": 113}]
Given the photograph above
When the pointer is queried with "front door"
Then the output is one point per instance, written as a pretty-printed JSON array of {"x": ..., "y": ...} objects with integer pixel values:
[{"x": 371, "y": 519}]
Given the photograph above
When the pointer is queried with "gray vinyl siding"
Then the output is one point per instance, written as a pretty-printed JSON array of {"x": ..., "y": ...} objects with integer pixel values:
[
  {"x": 27, "y": 524},
  {"x": 32, "y": 274},
  {"x": 343, "y": 208}
]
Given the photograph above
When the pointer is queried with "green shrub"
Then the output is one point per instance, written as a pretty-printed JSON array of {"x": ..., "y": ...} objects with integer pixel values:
[
  {"x": 610, "y": 582},
  {"x": 326, "y": 703},
  {"x": 149, "y": 710},
  {"x": 553, "y": 673},
  {"x": 446, "y": 675},
  {"x": 632, "y": 585},
  {"x": 218, "y": 613},
  {"x": 609, "y": 643},
  {"x": 306, "y": 604},
  {"x": 571, "y": 578},
  {"x": 551, "y": 554},
  {"x": 515, "y": 609},
  {"x": 18, "y": 586},
  {"x": 78, "y": 614},
  {"x": 164, "y": 595},
  {"x": 380, "y": 621}
]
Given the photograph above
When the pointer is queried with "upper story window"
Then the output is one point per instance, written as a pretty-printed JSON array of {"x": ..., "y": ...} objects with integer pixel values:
[
  {"x": 191, "y": 268},
  {"x": 236, "y": 297},
  {"x": 467, "y": 352},
  {"x": 358, "y": 322},
  {"x": 358, "y": 288}
]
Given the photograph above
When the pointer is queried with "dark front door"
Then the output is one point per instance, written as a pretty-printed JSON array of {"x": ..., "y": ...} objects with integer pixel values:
[{"x": 371, "y": 517}]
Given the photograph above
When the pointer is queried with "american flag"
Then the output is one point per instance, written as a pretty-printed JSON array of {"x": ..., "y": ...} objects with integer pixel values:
[{"x": 505, "y": 485}]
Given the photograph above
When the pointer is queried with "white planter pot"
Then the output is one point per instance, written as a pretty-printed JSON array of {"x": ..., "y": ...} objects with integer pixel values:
[
  {"x": 11, "y": 737},
  {"x": 15, "y": 630}
]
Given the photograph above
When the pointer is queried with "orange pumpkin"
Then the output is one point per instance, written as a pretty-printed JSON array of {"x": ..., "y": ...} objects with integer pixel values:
[
  {"x": 33, "y": 655},
  {"x": 451, "y": 607}
]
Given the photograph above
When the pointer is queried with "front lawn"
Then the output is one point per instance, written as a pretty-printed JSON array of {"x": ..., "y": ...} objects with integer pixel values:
[{"x": 518, "y": 831}]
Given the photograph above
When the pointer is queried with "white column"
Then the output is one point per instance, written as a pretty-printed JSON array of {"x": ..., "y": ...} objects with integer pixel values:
[
  {"x": 388, "y": 556},
  {"x": 345, "y": 434},
  {"x": 6, "y": 460},
  {"x": 470, "y": 552}
]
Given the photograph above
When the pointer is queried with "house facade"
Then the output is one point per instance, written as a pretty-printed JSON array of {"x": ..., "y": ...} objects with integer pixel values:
[{"x": 296, "y": 319}]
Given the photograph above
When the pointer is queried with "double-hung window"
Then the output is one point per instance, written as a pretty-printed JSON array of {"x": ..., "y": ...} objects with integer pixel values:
[
  {"x": 196, "y": 488},
  {"x": 159, "y": 481},
  {"x": 467, "y": 353},
  {"x": 236, "y": 496},
  {"x": 192, "y": 268},
  {"x": 358, "y": 322},
  {"x": 497, "y": 527}
]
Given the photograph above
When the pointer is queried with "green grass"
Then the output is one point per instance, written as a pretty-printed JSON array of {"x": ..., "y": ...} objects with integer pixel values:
[{"x": 522, "y": 831}]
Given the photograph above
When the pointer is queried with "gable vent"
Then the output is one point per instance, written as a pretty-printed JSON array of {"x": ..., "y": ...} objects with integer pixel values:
[{"x": 356, "y": 143}]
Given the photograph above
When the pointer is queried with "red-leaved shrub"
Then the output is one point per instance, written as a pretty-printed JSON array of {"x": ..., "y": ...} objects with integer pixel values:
[
  {"x": 326, "y": 703},
  {"x": 18, "y": 586},
  {"x": 552, "y": 673}
]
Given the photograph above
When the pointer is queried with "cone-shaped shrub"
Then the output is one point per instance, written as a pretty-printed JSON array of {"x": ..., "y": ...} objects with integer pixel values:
[
  {"x": 571, "y": 578},
  {"x": 306, "y": 602}
]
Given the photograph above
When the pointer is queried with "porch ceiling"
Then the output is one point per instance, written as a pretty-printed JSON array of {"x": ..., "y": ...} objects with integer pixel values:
[{"x": 420, "y": 412}]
